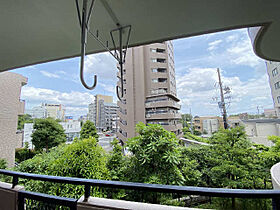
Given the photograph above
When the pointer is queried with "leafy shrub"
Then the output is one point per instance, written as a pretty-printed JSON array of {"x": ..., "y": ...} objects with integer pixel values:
[{"x": 82, "y": 159}]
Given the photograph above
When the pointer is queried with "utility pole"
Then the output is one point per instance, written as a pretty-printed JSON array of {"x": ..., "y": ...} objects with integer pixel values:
[
  {"x": 191, "y": 120},
  {"x": 222, "y": 104}
]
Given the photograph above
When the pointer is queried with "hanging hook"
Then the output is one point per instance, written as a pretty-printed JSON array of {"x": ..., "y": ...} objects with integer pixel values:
[
  {"x": 121, "y": 56},
  {"x": 84, "y": 23}
]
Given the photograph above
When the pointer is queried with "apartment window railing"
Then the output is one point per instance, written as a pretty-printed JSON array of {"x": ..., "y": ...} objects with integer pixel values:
[{"x": 88, "y": 183}]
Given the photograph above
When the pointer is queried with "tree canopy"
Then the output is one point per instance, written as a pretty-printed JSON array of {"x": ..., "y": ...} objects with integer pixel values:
[
  {"x": 88, "y": 130},
  {"x": 83, "y": 159},
  {"x": 48, "y": 133},
  {"x": 22, "y": 119}
]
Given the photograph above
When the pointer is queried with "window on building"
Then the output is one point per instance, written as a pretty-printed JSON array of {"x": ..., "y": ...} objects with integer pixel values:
[
  {"x": 277, "y": 85},
  {"x": 274, "y": 72},
  {"x": 154, "y": 70},
  {"x": 162, "y": 79},
  {"x": 162, "y": 70},
  {"x": 278, "y": 99},
  {"x": 154, "y": 80}
]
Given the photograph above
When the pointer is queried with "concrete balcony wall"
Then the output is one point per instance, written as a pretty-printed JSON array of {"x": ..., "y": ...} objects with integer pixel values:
[
  {"x": 163, "y": 116},
  {"x": 94, "y": 203},
  {"x": 8, "y": 196},
  {"x": 163, "y": 104}
]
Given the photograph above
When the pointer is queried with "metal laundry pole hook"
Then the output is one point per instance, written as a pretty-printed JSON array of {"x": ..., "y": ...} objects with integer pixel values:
[
  {"x": 119, "y": 51},
  {"x": 84, "y": 23}
]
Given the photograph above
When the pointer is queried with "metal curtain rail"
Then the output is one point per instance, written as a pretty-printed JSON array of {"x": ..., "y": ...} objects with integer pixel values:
[{"x": 213, "y": 192}]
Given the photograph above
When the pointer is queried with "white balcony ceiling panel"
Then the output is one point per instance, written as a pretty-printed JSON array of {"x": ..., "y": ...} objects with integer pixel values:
[{"x": 37, "y": 31}]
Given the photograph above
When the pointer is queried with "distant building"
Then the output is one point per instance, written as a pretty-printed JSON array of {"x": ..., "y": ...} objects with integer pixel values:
[
  {"x": 207, "y": 124},
  {"x": 103, "y": 112},
  {"x": 11, "y": 106},
  {"x": 258, "y": 130},
  {"x": 55, "y": 111},
  {"x": 273, "y": 71},
  {"x": 71, "y": 129},
  {"x": 270, "y": 113},
  {"x": 37, "y": 112}
]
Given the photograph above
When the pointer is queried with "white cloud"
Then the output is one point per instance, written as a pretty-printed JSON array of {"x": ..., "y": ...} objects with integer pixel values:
[
  {"x": 196, "y": 89},
  {"x": 102, "y": 64},
  {"x": 76, "y": 103},
  {"x": 241, "y": 53},
  {"x": 213, "y": 45},
  {"x": 50, "y": 75}
]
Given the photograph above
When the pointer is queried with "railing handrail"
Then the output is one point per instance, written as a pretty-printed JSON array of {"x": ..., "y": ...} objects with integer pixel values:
[
  {"x": 213, "y": 192},
  {"x": 69, "y": 202}
]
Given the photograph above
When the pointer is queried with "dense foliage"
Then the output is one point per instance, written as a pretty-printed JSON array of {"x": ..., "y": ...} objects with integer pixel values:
[
  {"x": 156, "y": 156},
  {"x": 48, "y": 133},
  {"x": 88, "y": 130},
  {"x": 25, "y": 153},
  {"x": 3, "y": 163},
  {"x": 26, "y": 118},
  {"x": 83, "y": 159}
]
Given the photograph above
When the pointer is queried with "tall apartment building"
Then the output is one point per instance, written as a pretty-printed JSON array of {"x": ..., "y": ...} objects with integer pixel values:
[
  {"x": 149, "y": 90},
  {"x": 10, "y": 108},
  {"x": 273, "y": 71},
  {"x": 103, "y": 112}
]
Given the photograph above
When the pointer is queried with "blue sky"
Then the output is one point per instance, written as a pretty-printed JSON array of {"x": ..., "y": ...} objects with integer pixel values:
[{"x": 196, "y": 60}]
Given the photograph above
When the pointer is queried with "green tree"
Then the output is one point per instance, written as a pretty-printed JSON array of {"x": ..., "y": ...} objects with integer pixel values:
[
  {"x": 22, "y": 119},
  {"x": 3, "y": 163},
  {"x": 48, "y": 133},
  {"x": 25, "y": 153},
  {"x": 82, "y": 159},
  {"x": 116, "y": 162},
  {"x": 88, "y": 130},
  {"x": 155, "y": 156}
]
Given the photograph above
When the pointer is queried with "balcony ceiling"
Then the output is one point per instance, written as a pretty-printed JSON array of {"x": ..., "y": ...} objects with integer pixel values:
[{"x": 37, "y": 31}]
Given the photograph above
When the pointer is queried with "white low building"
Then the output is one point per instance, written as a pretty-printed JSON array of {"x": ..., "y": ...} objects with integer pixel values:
[
  {"x": 258, "y": 130},
  {"x": 72, "y": 130}
]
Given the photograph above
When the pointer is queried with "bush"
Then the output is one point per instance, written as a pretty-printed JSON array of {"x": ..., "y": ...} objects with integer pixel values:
[
  {"x": 3, "y": 164},
  {"x": 82, "y": 159},
  {"x": 23, "y": 154}
]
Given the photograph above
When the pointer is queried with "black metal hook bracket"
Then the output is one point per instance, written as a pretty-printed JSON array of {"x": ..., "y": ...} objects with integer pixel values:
[
  {"x": 119, "y": 51},
  {"x": 84, "y": 23},
  {"x": 121, "y": 55}
]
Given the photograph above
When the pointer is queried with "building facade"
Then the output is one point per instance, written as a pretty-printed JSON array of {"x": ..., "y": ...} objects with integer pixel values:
[
  {"x": 207, "y": 124},
  {"x": 55, "y": 111},
  {"x": 71, "y": 129},
  {"x": 150, "y": 94},
  {"x": 39, "y": 112},
  {"x": 11, "y": 107},
  {"x": 273, "y": 71},
  {"x": 103, "y": 112},
  {"x": 258, "y": 130}
]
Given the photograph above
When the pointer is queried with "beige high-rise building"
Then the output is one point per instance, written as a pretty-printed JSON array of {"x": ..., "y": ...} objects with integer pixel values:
[
  {"x": 97, "y": 110},
  {"x": 149, "y": 90},
  {"x": 273, "y": 71},
  {"x": 11, "y": 106}
]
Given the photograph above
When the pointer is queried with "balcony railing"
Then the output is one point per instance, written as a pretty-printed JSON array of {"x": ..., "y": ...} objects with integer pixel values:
[{"x": 88, "y": 183}]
